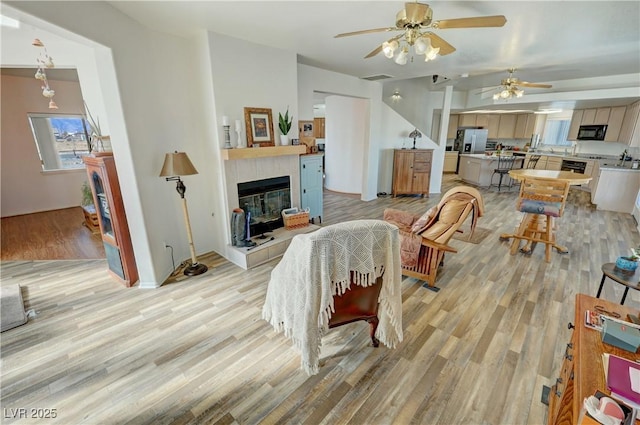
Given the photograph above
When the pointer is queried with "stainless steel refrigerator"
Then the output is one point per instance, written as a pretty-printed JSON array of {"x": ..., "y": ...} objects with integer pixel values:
[{"x": 471, "y": 140}]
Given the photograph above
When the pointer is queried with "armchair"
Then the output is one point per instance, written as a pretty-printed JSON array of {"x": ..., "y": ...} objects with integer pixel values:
[{"x": 424, "y": 239}]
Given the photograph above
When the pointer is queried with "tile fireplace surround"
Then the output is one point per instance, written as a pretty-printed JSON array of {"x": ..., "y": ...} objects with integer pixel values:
[{"x": 248, "y": 164}]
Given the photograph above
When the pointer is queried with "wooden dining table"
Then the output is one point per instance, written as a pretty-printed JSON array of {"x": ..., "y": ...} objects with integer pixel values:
[
  {"x": 570, "y": 176},
  {"x": 567, "y": 176}
]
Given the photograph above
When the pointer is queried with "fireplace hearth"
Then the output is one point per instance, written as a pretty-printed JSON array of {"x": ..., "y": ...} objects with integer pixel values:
[{"x": 263, "y": 202}]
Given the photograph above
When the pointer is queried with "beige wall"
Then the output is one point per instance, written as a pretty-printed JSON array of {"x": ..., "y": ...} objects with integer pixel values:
[{"x": 25, "y": 187}]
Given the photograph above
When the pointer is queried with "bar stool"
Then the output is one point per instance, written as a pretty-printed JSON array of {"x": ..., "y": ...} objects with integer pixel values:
[{"x": 505, "y": 164}]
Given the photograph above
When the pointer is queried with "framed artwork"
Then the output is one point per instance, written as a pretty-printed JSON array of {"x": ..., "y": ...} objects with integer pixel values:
[{"x": 259, "y": 125}]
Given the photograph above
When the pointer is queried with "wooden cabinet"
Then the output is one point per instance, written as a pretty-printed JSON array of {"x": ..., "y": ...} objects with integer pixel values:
[
  {"x": 554, "y": 163},
  {"x": 602, "y": 115},
  {"x": 114, "y": 229},
  {"x": 525, "y": 123},
  {"x": 482, "y": 120},
  {"x": 630, "y": 129},
  {"x": 467, "y": 120},
  {"x": 507, "y": 126},
  {"x": 588, "y": 117},
  {"x": 411, "y": 171},
  {"x": 616, "y": 116},
  {"x": 581, "y": 372},
  {"x": 493, "y": 125},
  {"x": 318, "y": 128},
  {"x": 311, "y": 183},
  {"x": 452, "y": 130},
  {"x": 576, "y": 122},
  {"x": 450, "y": 162}
]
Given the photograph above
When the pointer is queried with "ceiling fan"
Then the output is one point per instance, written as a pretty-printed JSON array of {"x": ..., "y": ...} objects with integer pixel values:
[
  {"x": 414, "y": 21},
  {"x": 510, "y": 87}
]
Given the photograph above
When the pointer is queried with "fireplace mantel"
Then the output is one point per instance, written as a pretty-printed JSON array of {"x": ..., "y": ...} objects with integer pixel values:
[{"x": 262, "y": 152}]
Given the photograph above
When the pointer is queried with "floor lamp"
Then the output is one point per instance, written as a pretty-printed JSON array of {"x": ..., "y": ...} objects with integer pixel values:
[{"x": 175, "y": 165}]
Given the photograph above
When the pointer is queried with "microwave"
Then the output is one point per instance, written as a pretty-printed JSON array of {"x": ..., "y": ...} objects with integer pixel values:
[{"x": 592, "y": 132}]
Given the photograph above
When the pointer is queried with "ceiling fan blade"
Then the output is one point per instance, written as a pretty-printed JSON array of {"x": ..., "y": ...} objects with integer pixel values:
[
  {"x": 417, "y": 13},
  {"x": 540, "y": 86},
  {"x": 477, "y": 22},
  {"x": 379, "y": 48},
  {"x": 348, "y": 34},
  {"x": 445, "y": 48},
  {"x": 374, "y": 52}
]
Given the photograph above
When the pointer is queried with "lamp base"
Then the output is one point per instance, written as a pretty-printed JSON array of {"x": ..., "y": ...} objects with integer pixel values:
[{"x": 195, "y": 269}]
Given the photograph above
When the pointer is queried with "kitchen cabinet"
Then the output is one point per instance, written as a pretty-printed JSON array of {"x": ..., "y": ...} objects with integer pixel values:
[
  {"x": 493, "y": 125},
  {"x": 482, "y": 120},
  {"x": 602, "y": 115},
  {"x": 630, "y": 129},
  {"x": 589, "y": 117},
  {"x": 452, "y": 130},
  {"x": 553, "y": 163},
  {"x": 411, "y": 171},
  {"x": 622, "y": 199},
  {"x": 470, "y": 170},
  {"x": 311, "y": 183},
  {"x": 525, "y": 124},
  {"x": 507, "y": 126},
  {"x": 450, "y": 162},
  {"x": 467, "y": 120},
  {"x": 615, "y": 119},
  {"x": 318, "y": 128},
  {"x": 114, "y": 230},
  {"x": 576, "y": 122}
]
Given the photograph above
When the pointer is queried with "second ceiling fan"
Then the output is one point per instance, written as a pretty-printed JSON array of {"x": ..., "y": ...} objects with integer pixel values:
[
  {"x": 415, "y": 21},
  {"x": 510, "y": 87}
]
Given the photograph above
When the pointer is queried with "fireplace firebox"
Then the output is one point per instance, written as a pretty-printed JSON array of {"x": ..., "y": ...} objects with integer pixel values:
[{"x": 263, "y": 201}]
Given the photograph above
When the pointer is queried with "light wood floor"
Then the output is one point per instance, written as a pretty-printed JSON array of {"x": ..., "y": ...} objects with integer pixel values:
[
  {"x": 49, "y": 235},
  {"x": 197, "y": 351}
]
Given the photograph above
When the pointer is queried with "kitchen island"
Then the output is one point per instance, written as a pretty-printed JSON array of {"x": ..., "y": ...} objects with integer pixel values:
[{"x": 477, "y": 169}]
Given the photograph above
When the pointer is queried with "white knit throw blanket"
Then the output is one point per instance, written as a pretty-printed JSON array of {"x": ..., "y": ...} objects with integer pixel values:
[{"x": 318, "y": 265}]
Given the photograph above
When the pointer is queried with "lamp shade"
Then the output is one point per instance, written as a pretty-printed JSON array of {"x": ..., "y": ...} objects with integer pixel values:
[
  {"x": 177, "y": 164},
  {"x": 415, "y": 133}
]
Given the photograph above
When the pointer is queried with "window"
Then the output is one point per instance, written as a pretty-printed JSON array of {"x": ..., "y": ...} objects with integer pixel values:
[
  {"x": 556, "y": 133},
  {"x": 62, "y": 140}
]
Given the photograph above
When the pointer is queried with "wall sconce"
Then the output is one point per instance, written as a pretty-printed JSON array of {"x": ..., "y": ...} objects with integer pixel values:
[
  {"x": 44, "y": 61},
  {"x": 396, "y": 97}
]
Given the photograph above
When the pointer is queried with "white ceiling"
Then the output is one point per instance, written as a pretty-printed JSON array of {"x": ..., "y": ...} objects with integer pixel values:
[
  {"x": 546, "y": 41},
  {"x": 574, "y": 45}
]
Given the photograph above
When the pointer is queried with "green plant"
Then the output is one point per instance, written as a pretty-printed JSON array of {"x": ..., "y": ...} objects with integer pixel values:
[
  {"x": 87, "y": 195},
  {"x": 284, "y": 123}
]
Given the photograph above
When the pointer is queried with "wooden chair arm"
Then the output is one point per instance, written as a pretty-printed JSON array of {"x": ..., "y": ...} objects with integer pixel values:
[{"x": 433, "y": 244}]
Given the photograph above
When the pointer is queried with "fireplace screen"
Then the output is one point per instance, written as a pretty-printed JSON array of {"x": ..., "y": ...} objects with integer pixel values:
[{"x": 263, "y": 201}]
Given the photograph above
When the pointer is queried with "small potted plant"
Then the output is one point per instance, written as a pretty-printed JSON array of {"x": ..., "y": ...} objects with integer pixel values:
[
  {"x": 630, "y": 262},
  {"x": 284, "y": 123}
]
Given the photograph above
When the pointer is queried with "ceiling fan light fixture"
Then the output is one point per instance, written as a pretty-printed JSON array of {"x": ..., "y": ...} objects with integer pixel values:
[
  {"x": 496, "y": 96},
  {"x": 432, "y": 53},
  {"x": 422, "y": 45},
  {"x": 401, "y": 59},
  {"x": 389, "y": 48},
  {"x": 505, "y": 94},
  {"x": 518, "y": 92}
]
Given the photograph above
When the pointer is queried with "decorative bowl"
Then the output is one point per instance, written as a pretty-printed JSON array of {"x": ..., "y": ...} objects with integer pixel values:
[{"x": 626, "y": 264}]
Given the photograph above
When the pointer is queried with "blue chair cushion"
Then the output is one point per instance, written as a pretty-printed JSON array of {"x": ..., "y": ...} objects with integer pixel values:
[{"x": 539, "y": 207}]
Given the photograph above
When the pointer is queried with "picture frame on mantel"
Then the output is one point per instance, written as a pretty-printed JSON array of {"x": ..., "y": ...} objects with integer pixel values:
[{"x": 259, "y": 124}]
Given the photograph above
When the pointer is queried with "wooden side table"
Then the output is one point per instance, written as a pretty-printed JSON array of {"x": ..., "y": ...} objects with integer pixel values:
[{"x": 630, "y": 280}]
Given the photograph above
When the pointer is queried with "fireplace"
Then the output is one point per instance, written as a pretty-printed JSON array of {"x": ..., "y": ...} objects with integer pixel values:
[{"x": 263, "y": 201}]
